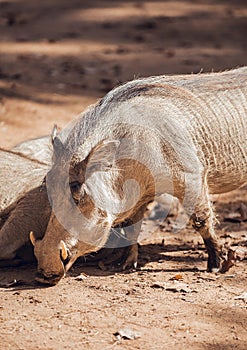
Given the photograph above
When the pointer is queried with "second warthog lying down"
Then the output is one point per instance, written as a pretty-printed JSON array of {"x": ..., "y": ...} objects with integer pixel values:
[
  {"x": 181, "y": 135},
  {"x": 24, "y": 203}
]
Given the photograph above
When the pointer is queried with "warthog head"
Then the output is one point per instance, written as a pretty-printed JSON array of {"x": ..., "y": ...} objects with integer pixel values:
[
  {"x": 75, "y": 228},
  {"x": 86, "y": 197}
]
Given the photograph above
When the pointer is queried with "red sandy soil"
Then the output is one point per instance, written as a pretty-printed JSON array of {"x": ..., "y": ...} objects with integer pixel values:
[{"x": 59, "y": 56}]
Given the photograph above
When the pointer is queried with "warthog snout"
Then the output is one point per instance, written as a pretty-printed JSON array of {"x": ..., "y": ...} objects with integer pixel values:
[
  {"x": 52, "y": 279},
  {"x": 51, "y": 266}
]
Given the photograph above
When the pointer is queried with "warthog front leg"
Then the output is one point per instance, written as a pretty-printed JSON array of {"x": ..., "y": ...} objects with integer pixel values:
[
  {"x": 132, "y": 230},
  {"x": 131, "y": 256},
  {"x": 125, "y": 253}
]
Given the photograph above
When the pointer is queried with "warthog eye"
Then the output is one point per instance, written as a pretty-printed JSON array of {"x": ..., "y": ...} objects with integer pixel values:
[{"x": 75, "y": 188}]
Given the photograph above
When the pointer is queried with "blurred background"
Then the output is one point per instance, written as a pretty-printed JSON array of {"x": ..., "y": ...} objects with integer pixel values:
[{"x": 59, "y": 56}]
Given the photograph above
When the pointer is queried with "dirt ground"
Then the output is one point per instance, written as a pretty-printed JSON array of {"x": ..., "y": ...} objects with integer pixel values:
[{"x": 56, "y": 58}]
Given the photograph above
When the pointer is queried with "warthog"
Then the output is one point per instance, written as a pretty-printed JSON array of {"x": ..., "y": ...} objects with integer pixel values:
[{"x": 181, "y": 135}]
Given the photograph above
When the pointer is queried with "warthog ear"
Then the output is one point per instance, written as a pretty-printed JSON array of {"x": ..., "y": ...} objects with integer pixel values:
[
  {"x": 56, "y": 142},
  {"x": 54, "y": 133},
  {"x": 103, "y": 155},
  {"x": 64, "y": 252},
  {"x": 32, "y": 238}
]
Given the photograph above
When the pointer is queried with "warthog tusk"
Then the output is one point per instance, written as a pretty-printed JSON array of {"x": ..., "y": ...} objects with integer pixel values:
[
  {"x": 32, "y": 238},
  {"x": 64, "y": 252}
]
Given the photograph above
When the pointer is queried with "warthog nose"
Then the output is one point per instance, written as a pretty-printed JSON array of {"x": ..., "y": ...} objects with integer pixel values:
[{"x": 52, "y": 279}]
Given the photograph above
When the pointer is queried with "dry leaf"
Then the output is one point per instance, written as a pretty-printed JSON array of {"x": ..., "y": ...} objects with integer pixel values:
[
  {"x": 158, "y": 285},
  {"x": 127, "y": 334},
  {"x": 229, "y": 261},
  {"x": 81, "y": 277},
  {"x": 242, "y": 296},
  {"x": 232, "y": 255},
  {"x": 241, "y": 253},
  {"x": 177, "y": 277},
  {"x": 176, "y": 287}
]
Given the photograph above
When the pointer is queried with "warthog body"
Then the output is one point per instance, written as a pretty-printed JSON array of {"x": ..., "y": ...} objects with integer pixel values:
[
  {"x": 24, "y": 204},
  {"x": 39, "y": 150},
  {"x": 181, "y": 135}
]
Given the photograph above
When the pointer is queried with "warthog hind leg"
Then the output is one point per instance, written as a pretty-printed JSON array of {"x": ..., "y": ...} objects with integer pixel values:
[{"x": 203, "y": 221}]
